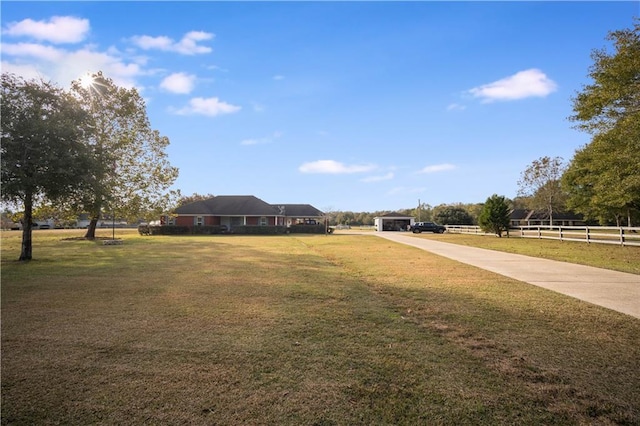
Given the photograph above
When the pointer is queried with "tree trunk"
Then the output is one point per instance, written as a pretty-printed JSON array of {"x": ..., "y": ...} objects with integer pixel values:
[
  {"x": 91, "y": 229},
  {"x": 26, "y": 252}
]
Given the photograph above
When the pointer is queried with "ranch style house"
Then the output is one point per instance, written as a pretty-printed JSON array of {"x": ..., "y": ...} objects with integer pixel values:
[{"x": 243, "y": 210}]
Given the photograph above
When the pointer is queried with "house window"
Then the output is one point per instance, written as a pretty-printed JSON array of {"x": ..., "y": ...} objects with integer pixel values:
[
  {"x": 263, "y": 221},
  {"x": 171, "y": 221},
  {"x": 199, "y": 221}
]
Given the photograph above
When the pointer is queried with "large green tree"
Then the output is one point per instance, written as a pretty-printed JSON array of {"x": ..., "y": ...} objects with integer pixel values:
[
  {"x": 42, "y": 152},
  {"x": 603, "y": 179},
  {"x": 133, "y": 175},
  {"x": 540, "y": 184},
  {"x": 494, "y": 216},
  {"x": 453, "y": 215}
]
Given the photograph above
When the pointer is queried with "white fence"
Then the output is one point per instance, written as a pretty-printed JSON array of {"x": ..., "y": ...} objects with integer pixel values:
[{"x": 625, "y": 235}]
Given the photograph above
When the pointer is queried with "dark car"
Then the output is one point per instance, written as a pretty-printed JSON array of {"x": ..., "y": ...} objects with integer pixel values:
[{"x": 419, "y": 227}]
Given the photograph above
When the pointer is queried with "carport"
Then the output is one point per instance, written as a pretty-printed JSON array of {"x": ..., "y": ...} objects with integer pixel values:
[{"x": 393, "y": 222}]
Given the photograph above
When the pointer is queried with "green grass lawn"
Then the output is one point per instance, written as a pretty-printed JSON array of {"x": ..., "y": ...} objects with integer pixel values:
[
  {"x": 608, "y": 256},
  {"x": 290, "y": 330}
]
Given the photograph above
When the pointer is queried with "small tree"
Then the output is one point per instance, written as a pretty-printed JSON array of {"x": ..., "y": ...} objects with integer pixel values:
[
  {"x": 42, "y": 154},
  {"x": 494, "y": 216},
  {"x": 541, "y": 183}
]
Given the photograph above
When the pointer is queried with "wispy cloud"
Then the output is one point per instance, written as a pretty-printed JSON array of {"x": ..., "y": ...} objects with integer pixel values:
[
  {"x": 334, "y": 167},
  {"x": 437, "y": 168},
  {"x": 380, "y": 178},
  {"x": 188, "y": 45},
  {"x": 258, "y": 107},
  {"x": 402, "y": 190},
  {"x": 278, "y": 77},
  {"x": 210, "y": 107},
  {"x": 262, "y": 141},
  {"x": 179, "y": 82},
  {"x": 524, "y": 84},
  {"x": 58, "y": 29},
  {"x": 456, "y": 107}
]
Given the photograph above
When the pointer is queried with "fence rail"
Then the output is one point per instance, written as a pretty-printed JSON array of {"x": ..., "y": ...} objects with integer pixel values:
[{"x": 620, "y": 235}]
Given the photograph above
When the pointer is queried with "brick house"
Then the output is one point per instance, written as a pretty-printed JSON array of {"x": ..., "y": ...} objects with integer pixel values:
[
  {"x": 242, "y": 210},
  {"x": 522, "y": 217}
]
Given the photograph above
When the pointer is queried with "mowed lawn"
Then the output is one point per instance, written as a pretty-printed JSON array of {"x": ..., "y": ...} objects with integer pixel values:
[{"x": 298, "y": 330}]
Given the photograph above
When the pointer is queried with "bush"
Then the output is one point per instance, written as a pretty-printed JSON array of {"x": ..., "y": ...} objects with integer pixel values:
[
  {"x": 222, "y": 229},
  {"x": 307, "y": 229}
]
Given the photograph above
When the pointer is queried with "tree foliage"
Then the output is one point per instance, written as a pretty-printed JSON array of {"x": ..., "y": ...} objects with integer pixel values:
[
  {"x": 603, "y": 179},
  {"x": 133, "y": 175},
  {"x": 614, "y": 94},
  {"x": 451, "y": 215},
  {"x": 540, "y": 183},
  {"x": 187, "y": 199},
  {"x": 494, "y": 216},
  {"x": 42, "y": 154}
]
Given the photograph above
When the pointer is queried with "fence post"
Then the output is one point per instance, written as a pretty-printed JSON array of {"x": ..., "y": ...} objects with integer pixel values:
[
  {"x": 560, "y": 231},
  {"x": 588, "y": 240},
  {"x": 621, "y": 236}
]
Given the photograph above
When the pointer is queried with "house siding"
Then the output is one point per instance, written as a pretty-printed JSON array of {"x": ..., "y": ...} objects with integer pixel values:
[{"x": 184, "y": 220}]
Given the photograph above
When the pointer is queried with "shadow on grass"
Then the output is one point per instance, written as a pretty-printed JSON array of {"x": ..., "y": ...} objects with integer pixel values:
[{"x": 301, "y": 330}]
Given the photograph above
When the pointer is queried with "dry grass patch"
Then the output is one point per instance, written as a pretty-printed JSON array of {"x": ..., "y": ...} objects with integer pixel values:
[{"x": 299, "y": 330}]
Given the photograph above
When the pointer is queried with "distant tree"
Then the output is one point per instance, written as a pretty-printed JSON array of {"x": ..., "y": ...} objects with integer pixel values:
[
  {"x": 133, "y": 175},
  {"x": 451, "y": 215},
  {"x": 42, "y": 152},
  {"x": 187, "y": 199},
  {"x": 495, "y": 215},
  {"x": 540, "y": 182},
  {"x": 603, "y": 179},
  {"x": 423, "y": 213}
]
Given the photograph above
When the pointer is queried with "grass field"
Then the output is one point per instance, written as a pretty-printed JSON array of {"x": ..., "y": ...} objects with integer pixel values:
[{"x": 313, "y": 330}]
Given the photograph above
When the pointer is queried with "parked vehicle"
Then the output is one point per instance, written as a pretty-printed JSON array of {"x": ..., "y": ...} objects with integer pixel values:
[{"x": 419, "y": 227}]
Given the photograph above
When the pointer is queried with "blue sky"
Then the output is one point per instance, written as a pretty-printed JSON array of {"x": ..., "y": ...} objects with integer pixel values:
[{"x": 361, "y": 106}]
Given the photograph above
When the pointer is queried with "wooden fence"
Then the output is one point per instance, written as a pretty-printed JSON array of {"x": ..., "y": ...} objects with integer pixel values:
[{"x": 624, "y": 235}]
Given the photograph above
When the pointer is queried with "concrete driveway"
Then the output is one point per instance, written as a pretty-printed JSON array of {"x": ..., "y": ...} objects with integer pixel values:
[{"x": 619, "y": 291}]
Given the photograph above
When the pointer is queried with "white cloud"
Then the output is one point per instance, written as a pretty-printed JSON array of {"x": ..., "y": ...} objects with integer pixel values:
[
  {"x": 438, "y": 168},
  {"x": 208, "y": 106},
  {"x": 524, "y": 84},
  {"x": 59, "y": 29},
  {"x": 62, "y": 65},
  {"x": 370, "y": 179},
  {"x": 334, "y": 167},
  {"x": 179, "y": 82},
  {"x": 278, "y": 77},
  {"x": 262, "y": 141},
  {"x": 188, "y": 45},
  {"x": 33, "y": 50}
]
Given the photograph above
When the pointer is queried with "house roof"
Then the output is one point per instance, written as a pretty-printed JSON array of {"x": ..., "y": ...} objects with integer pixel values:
[
  {"x": 395, "y": 215},
  {"x": 522, "y": 214},
  {"x": 229, "y": 205},
  {"x": 300, "y": 210}
]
